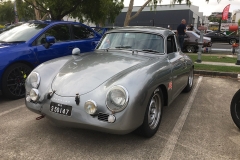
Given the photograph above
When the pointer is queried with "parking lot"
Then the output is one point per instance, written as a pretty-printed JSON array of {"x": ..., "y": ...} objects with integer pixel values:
[{"x": 197, "y": 125}]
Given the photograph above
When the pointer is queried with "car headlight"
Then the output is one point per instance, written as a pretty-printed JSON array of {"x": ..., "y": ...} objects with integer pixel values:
[
  {"x": 117, "y": 98},
  {"x": 90, "y": 107},
  {"x": 34, "y": 79},
  {"x": 34, "y": 94}
]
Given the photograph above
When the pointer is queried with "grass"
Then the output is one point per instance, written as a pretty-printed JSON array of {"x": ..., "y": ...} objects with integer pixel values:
[
  {"x": 215, "y": 58},
  {"x": 216, "y": 68}
]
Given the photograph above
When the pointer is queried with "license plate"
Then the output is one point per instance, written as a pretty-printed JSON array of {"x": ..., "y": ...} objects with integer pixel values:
[{"x": 61, "y": 108}]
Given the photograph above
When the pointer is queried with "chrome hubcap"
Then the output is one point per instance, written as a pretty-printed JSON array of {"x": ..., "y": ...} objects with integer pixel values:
[
  {"x": 154, "y": 111},
  {"x": 190, "y": 78},
  {"x": 190, "y": 48}
]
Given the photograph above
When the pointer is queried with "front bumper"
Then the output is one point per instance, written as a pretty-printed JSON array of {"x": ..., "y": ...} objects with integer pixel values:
[{"x": 123, "y": 124}]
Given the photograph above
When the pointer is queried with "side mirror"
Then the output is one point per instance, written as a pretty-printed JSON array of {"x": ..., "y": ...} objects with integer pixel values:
[
  {"x": 49, "y": 41},
  {"x": 76, "y": 51}
]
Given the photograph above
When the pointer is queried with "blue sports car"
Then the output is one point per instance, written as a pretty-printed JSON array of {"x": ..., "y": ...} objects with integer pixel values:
[{"x": 24, "y": 47}]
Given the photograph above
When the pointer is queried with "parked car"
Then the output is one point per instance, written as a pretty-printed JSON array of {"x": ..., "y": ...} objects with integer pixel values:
[
  {"x": 102, "y": 30},
  {"x": 218, "y": 36},
  {"x": 118, "y": 88},
  {"x": 191, "y": 41},
  {"x": 235, "y": 108},
  {"x": 24, "y": 47}
]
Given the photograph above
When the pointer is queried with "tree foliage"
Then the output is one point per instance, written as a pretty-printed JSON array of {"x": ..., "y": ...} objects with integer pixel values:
[
  {"x": 7, "y": 12},
  {"x": 25, "y": 11},
  {"x": 93, "y": 10},
  {"x": 153, "y": 4},
  {"x": 101, "y": 10}
]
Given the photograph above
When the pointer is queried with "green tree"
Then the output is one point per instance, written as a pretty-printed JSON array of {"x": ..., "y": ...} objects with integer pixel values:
[
  {"x": 101, "y": 10},
  {"x": 153, "y": 4},
  {"x": 93, "y": 10},
  {"x": 7, "y": 12},
  {"x": 24, "y": 10}
]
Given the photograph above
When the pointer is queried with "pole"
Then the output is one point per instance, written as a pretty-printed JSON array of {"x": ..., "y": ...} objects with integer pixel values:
[
  {"x": 238, "y": 56},
  {"x": 200, "y": 47}
]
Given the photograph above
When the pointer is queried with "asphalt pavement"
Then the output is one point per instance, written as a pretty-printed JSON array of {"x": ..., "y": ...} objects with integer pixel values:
[{"x": 197, "y": 125}]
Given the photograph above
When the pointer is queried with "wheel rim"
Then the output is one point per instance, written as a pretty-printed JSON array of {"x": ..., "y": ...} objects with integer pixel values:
[
  {"x": 16, "y": 80},
  {"x": 190, "y": 49},
  {"x": 190, "y": 79},
  {"x": 154, "y": 111},
  {"x": 232, "y": 41}
]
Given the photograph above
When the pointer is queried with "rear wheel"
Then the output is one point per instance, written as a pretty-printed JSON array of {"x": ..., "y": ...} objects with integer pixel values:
[
  {"x": 153, "y": 115},
  {"x": 235, "y": 108},
  {"x": 13, "y": 80},
  {"x": 190, "y": 49}
]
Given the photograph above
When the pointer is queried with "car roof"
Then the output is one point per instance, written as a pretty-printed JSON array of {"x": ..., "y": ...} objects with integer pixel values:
[
  {"x": 52, "y": 22},
  {"x": 147, "y": 29}
]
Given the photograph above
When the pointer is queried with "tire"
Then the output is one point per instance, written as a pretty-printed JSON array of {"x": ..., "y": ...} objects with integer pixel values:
[
  {"x": 231, "y": 41},
  {"x": 153, "y": 115},
  {"x": 190, "y": 49},
  {"x": 13, "y": 80},
  {"x": 235, "y": 108},
  {"x": 190, "y": 82}
]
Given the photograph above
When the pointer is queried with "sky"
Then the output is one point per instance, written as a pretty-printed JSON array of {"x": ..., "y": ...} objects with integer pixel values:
[{"x": 206, "y": 8}]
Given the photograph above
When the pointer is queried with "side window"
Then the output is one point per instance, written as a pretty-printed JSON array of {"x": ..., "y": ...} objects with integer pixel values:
[
  {"x": 60, "y": 32},
  {"x": 171, "y": 44},
  {"x": 81, "y": 32}
]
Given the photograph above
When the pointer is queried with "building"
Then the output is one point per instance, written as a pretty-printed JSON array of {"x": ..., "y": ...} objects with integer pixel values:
[
  {"x": 162, "y": 16},
  {"x": 236, "y": 16},
  {"x": 219, "y": 14}
]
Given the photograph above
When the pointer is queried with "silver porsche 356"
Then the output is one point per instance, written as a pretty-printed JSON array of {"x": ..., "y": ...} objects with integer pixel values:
[{"x": 120, "y": 87}]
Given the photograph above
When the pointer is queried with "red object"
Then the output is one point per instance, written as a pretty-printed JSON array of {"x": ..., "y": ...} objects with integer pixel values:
[
  {"x": 235, "y": 45},
  {"x": 225, "y": 12},
  {"x": 202, "y": 28},
  {"x": 233, "y": 28}
]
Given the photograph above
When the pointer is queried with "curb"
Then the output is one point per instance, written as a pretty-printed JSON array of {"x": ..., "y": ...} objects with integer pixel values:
[{"x": 217, "y": 74}]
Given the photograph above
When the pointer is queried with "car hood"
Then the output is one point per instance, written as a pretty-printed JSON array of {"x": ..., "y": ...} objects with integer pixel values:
[
  {"x": 7, "y": 45},
  {"x": 84, "y": 73},
  {"x": 206, "y": 39}
]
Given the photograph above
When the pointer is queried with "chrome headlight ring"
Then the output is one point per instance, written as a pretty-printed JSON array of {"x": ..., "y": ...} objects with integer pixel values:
[
  {"x": 117, "y": 98},
  {"x": 34, "y": 79}
]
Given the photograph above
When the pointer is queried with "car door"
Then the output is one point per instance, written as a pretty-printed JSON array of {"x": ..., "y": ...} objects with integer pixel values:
[
  {"x": 84, "y": 38},
  {"x": 178, "y": 65},
  {"x": 63, "y": 45},
  {"x": 223, "y": 38}
]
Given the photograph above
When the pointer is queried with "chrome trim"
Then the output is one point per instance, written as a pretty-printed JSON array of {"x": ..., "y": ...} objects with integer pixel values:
[
  {"x": 127, "y": 98},
  {"x": 95, "y": 104},
  {"x": 37, "y": 93},
  {"x": 38, "y": 81}
]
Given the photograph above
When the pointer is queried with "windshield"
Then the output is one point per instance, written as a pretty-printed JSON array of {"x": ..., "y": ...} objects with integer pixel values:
[
  {"x": 21, "y": 33},
  {"x": 136, "y": 41},
  {"x": 195, "y": 34}
]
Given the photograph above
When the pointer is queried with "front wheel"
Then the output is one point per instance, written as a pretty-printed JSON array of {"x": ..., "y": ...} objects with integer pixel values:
[
  {"x": 231, "y": 41},
  {"x": 13, "y": 80},
  {"x": 235, "y": 108},
  {"x": 190, "y": 49},
  {"x": 153, "y": 114}
]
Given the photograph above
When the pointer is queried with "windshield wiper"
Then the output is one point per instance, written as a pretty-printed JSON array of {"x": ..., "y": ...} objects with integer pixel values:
[
  {"x": 151, "y": 50},
  {"x": 123, "y": 47},
  {"x": 2, "y": 42}
]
